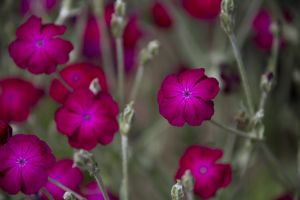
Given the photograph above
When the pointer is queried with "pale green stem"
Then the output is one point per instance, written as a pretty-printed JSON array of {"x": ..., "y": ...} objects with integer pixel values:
[
  {"x": 66, "y": 189},
  {"x": 120, "y": 60},
  {"x": 47, "y": 194},
  {"x": 64, "y": 11},
  {"x": 241, "y": 67},
  {"x": 57, "y": 75},
  {"x": 101, "y": 186},
  {"x": 233, "y": 130},
  {"x": 137, "y": 82},
  {"x": 189, "y": 195},
  {"x": 125, "y": 181}
]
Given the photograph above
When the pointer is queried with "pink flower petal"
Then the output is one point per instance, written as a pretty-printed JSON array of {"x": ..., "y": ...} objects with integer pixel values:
[
  {"x": 190, "y": 77},
  {"x": 207, "y": 89},
  {"x": 67, "y": 122}
]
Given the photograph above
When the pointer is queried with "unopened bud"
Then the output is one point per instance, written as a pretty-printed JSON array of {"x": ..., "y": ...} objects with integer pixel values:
[
  {"x": 177, "y": 192},
  {"x": 149, "y": 52},
  {"x": 117, "y": 25},
  {"x": 243, "y": 119},
  {"x": 188, "y": 181},
  {"x": 120, "y": 8},
  {"x": 86, "y": 161},
  {"x": 226, "y": 16},
  {"x": 95, "y": 87},
  {"x": 126, "y": 119},
  {"x": 69, "y": 196},
  {"x": 266, "y": 82}
]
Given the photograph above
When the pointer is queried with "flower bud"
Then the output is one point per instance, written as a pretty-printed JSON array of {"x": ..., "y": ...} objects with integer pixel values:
[
  {"x": 177, "y": 192},
  {"x": 120, "y": 8},
  {"x": 5, "y": 132},
  {"x": 69, "y": 196},
  {"x": 126, "y": 119},
  {"x": 188, "y": 181},
  {"x": 95, "y": 87},
  {"x": 266, "y": 82},
  {"x": 86, "y": 161},
  {"x": 227, "y": 18},
  {"x": 117, "y": 25},
  {"x": 149, "y": 52}
]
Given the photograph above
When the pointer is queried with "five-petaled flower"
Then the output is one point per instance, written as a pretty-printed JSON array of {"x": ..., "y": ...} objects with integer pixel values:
[
  {"x": 17, "y": 98},
  {"x": 88, "y": 119},
  {"x": 77, "y": 75},
  {"x": 187, "y": 97},
  {"x": 209, "y": 176},
  {"x": 64, "y": 173},
  {"x": 25, "y": 163},
  {"x": 37, "y": 47}
]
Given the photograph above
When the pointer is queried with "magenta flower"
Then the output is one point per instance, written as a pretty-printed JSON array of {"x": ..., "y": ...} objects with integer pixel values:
[
  {"x": 187, "y": 97},
  {"x": 91, "y": 192},
  {"x": 5, "y": 132},
  {"x": 161, "y": 15},
  {"x": 30, "y": 6},
  {"x": 230, "y": 79},
  {"x": 25, "y": 162},
  {"x": 64, "y": 172},
  {"x": 77, "y": 75},
  {"x": 202, "y": 9},
  {"x": 209, "y": 176},
  {"x": 286, "y": 196},
  {"x": 17, "y": 98},
  {"x": 88, "y": 119},
  {"x": 133, "y": 32},
  {"x": 37, "y": 47}
]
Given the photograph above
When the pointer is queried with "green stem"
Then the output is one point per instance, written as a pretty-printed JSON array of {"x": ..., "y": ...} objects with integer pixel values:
[
  {"x": 47, "y": 194},
  {"x": 137, "y": 82},
  {"x": 125, "y": 182},
  {"x": 241, "y": 67},
  {"x": 120, "y": 61},
  {"x": 234, "y": 131},
  {"x": 64, "y": 11},
  {"x": 101, "y": 186},
  {"x": 69, "y": 88},
  {"x": 66, "y": 189}
]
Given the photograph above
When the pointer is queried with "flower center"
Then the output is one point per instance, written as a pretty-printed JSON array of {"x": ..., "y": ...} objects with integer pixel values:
[
  {"x": 21, "y": 162},
  {"x": 187, "y": 93},
  {"x": 40, "y": 43},
  {"x": 86, "y": 117},
  {"x": 203, "y": 170},
  {"x": 75, "y": 77}
]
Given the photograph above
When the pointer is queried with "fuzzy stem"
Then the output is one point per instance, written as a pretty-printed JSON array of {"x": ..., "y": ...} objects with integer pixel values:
[
  {"x": 125, "y": 182},
  {"x": 137, "y": 82},
  {"x": 101, "y": 186},
  {"x": 189, "y": 195},
  {"x": 241, "y": 67},
  {"x": 64, "y": 11},
  {"x": 233, "y": 130},
  {"x": 66, "y": 189},
  {"x": 69, "y": 88},
  {"x": 120, "y": 60},
  {"x": 47, "y": 193}
]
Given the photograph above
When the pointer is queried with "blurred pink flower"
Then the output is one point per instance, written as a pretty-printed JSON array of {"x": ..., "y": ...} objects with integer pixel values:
[
  {"x": 25, "y": 162},
  {"x": 202, "y": 9},
  {"x": 64, "y": 172},
  {"x": 17, "y": 98},
  {"x": 77, "y": 75},
  {"x": 27, "y": 6},
  {"x": 187, "y": 97},
  {"x": 209, "y": 176},
  {"x": 133, "y": 32},
  {"x": 88, "y": 119},
  {"x": 37, "y": 47},
  {"x": 91, "y": 192},
  {"x": 5, "y": 132},
  {"x": 286, "y": 196},
  {"x": 230, "y": 79},
  {"x": 161, "y": 15}
]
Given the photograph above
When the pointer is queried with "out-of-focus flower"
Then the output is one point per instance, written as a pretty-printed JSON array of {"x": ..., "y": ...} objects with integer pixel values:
[
  {"x": 132, "y": 32},
  {"x": 17, "y": 98},
  {"x": 287, "y": 196},
  {"x": 64, "y": 173},
  {"x": 25, "y": 162},
  {"x": 5, "y": 132},
  {"x": 37, "y": 47},
  {"x": 78, "y": 75},
  {"x": 88, "y": 119},
  {"x": 187, "y": 97},
  {"x": 209, "y": 176},
  {"x": 31, "y": 6},
  {"x": 230, "y": 79},
  {"x": 91, "y": 192},
  {"x": 161, "y": 15},
  {"x": 202, "y": 9}
]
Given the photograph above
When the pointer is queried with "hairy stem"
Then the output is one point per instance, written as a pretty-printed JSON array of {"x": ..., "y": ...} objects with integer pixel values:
[
  {"x": 120, "y": 60},
  {"x": 101, "y": 186},
  {"x": 125, "y": 181},
  {"x": 137, "y": 82}
]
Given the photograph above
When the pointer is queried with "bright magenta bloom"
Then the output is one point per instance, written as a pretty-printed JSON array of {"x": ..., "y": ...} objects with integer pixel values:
[
  {"x": 209, "y": 176},
  {"x": 91, "y": 192},
  {"x": 27, "y": 6},
  {"x": 88, "y": 119},
  {"x": 64, "y": 172},
  {"x": 17, "y": 98},
  {"x": 77, "y": 75},
  {"x": 161, "y": 15},
  {"x": 25, "y": 162},
  {"x": 37, "y": 47},
  {"x": 5, "y": 132},
  {"x": 202, "y": 9},
  {"x": 187, "y": 97}
]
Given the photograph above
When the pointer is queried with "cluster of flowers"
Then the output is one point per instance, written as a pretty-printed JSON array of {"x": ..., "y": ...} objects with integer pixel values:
[{"x": 89, "y": 118}]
